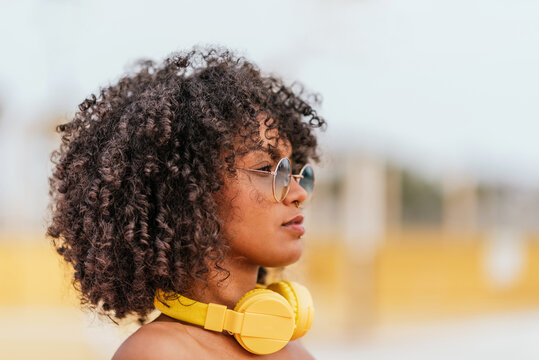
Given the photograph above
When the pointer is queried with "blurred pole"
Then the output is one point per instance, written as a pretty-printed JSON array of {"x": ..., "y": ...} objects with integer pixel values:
[{"x": 364, "y": 202}]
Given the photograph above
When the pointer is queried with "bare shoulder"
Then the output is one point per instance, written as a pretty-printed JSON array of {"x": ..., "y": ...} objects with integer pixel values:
[{"x": 159, "y": 341}]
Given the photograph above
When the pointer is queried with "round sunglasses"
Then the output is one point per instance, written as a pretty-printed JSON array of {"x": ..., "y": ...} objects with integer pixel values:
[{"x": 282, "y": 176}]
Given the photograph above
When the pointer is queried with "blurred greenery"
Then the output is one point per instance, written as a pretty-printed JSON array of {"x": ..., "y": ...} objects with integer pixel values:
[{"x": 421, "y": 200}]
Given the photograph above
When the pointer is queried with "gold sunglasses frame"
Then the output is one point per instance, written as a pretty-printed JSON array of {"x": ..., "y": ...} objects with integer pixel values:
[{"x": 274, "y": 174}]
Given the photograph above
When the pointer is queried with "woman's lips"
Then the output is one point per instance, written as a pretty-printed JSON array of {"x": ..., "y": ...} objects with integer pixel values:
[
  {"x": 298, "y": 228},
  {"x": 295, "y": 225}
]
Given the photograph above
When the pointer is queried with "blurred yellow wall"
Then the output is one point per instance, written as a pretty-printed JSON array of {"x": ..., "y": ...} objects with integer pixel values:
[
  {"x": 413, "y": 276},
  {"x": 420, "y": 277},
  {"x": 32, "y": 273},
  {"x": 39, "y": 315}
]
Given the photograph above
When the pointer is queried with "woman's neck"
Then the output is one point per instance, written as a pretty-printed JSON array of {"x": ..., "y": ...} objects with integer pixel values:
[{"x": 227, "y": 292}]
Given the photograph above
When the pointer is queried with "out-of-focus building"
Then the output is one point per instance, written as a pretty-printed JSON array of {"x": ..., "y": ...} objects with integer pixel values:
[
  {"x": 397, "y": 245},
  {"x": 385, "y": 245}
]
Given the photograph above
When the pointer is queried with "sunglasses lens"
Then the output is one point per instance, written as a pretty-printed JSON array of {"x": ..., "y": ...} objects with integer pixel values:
[
  {"x": 282, "y": 179},
  {"x": 307, "y": 183}
]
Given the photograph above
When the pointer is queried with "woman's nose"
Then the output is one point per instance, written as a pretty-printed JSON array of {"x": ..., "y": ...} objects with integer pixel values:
[{"x": 296, "y": 193}]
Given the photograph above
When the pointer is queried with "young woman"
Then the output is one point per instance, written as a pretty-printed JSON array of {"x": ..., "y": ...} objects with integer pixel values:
[{"x": 175, "y": 188}]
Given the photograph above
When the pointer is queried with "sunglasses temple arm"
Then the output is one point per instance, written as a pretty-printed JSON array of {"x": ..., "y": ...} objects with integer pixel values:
[{"x": 258, "y": 171}]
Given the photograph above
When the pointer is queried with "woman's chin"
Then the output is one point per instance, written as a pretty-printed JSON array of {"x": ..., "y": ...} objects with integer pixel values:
[{"x": 291, "y": 256}]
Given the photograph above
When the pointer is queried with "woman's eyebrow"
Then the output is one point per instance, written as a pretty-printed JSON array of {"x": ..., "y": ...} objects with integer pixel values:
[
  {"x": 257, "y": 157},
  {"x": 264, "y": 154},
  {"x": 260, "y": 154}
]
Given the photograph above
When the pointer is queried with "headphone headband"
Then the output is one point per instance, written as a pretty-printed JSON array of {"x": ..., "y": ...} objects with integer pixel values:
[{"x": 263, "y": 320}]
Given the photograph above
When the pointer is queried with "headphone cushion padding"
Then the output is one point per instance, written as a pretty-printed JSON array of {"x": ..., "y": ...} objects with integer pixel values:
[{"x": 301, "y": 301}]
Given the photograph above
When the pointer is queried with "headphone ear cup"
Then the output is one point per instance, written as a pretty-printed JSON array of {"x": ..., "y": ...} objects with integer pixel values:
[
  {"x": 248, "y": 296},
  {"x": 301, "y": 301},
  {"x": 265, "y": 302}
]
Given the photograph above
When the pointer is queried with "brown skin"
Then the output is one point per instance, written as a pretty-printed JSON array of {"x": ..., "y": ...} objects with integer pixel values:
[
  {"x": 255, "y": 218},
  {"x": 167, "y": 338}
]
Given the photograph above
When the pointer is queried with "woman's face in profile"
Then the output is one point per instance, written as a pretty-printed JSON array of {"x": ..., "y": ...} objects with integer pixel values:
[{"x": 252, "y": 218}]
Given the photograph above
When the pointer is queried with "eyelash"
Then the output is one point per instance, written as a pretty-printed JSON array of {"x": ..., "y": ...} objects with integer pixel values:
[{"x": 265, "y": 168}]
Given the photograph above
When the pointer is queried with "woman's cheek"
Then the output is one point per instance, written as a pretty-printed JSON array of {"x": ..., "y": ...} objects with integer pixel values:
[{"x": 260, "y": 199}]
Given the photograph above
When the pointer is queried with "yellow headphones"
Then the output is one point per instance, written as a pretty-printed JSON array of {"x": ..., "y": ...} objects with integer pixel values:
[{"x": 263, "y": 321}]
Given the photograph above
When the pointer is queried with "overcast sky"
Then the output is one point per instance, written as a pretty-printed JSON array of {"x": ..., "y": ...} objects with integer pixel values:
[{"x": 440, "y": 85}]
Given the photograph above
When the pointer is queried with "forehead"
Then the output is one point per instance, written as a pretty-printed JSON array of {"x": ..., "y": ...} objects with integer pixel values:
[{"x": 270, "y": 152}]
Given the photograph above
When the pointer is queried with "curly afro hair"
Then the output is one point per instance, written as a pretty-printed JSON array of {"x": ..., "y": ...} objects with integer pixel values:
[{"x": 131, "y": 189}]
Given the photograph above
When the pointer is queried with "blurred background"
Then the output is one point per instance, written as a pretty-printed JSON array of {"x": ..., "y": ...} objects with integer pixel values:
[{"x": 423, "y": 234}]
